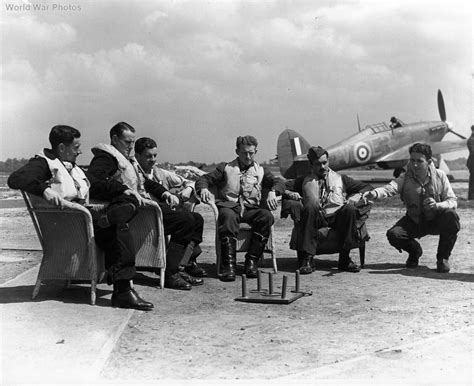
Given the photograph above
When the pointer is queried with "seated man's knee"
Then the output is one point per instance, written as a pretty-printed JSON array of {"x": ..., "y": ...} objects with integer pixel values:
[
  {"x": 311, "y": 206},
  {"x": 267, "y": 216},
  {"x": 186, "y": 220},
  {"x": 198, "y": 219}
]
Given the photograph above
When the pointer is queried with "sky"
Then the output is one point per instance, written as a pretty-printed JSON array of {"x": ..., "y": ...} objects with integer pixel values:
[{"x": 194, "y": 75}]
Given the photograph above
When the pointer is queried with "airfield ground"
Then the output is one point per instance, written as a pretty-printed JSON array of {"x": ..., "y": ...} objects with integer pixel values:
[{"x": 385, "y": 324}]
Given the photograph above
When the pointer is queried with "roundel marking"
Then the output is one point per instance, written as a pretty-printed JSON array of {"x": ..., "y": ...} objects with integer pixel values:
[{"x": 362, "y": 153}]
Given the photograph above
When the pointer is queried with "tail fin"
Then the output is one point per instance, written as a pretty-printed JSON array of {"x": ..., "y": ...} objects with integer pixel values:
[{"x": 291, "y": 150}]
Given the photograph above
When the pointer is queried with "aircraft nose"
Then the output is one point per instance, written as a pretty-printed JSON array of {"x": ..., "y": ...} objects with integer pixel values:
[{"x": 450, "y": 125}]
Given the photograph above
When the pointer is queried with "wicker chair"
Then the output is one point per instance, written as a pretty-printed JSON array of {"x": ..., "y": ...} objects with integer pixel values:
[
  {"x": 67, "y": 238},
  {"x": 328, "y": 237},
  {"x": 148, "y": 237},
  {"x": 69, "y": 249}
]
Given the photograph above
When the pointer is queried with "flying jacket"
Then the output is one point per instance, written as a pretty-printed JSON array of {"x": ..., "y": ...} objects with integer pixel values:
[
  {"x": 108, "y": 181},
  {"x": 412, "y": 192},
  {"x": 70, "y": 184},
  {"x": 236, "y": 185}
]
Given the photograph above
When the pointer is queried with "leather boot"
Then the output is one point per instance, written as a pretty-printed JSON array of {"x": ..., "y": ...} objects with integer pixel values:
[
  {"x": 414, "y": 255},
  {"x": 346, "y": 264},
  {"x": 192, "y": 267},
  {"x": 124, "y": 296},
  {"x": 174, "y": 256},
  {"x": 305, "y": 262},
  {"x": 228, "y": 258},
  {"x": 442, "y": 266},
  {"x": 256, "y": 248},
  {"x": 190, "y": 279}
]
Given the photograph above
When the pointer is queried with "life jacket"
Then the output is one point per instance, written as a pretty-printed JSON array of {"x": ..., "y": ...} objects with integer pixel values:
[
  {"x": 244, "y": 184},
  {"x": 336, "y": 197},
  {"x": 127, "y": 172},
  {"x": 72, "y": 185},
  {"x": 412, "y": 193}
]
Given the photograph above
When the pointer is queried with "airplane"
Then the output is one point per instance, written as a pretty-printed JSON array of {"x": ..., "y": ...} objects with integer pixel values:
[{"x": 381, "y": 144}]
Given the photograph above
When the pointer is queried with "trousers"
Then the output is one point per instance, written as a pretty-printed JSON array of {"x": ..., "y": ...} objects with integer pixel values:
[
  {"x": 312, "y": 218},
  {"x": 261, "y": 221},
  {"x": 446, "y": 224}
]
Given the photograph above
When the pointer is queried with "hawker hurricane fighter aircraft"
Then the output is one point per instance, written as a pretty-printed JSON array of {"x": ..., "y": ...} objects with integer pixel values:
[{"x": 381, "y": 144}]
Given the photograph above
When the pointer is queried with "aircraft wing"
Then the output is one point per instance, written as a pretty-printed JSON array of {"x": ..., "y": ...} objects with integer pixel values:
[
  {"x": 448, "y": 146},
  {"x": 436, "y": 147}
]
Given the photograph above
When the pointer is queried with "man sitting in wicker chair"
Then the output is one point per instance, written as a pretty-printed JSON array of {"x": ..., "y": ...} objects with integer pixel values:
[
  {"x": 325, "y": 205},
  {"x": 146, "y": 151},
  {"x": 54, "y": 175},
  {"x": 114, "y": 175}
]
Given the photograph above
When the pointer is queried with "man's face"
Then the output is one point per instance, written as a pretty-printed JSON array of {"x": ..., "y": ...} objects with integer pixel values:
[
  {"x": 69, "y": 153},
  {"x": 124, "y": 143},
  {"x": 246, "y": 154},
  {"x": 420, "y": 164},
  {"x": 320, "y": 167},
  {"x": 147, "y": 158}
]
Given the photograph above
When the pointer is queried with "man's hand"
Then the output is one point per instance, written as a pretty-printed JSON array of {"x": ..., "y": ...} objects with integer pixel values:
[
  {"x": 130, "y": 192},
  {"x": 53, "y": 197},
  {"x": 272, "y": 200},
  {"x": 170, "y": 199},
  {"x": 429, "y": 203},
  {"x": 186, "y": 193},
  {"x": 206, "y": 196},
  {"x": 371, "y": 195},
  {"x": 293, "y": 195}
]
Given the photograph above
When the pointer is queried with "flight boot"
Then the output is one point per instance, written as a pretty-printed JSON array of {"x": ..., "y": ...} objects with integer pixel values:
[
  {"x": 345, "y": 263},
  {"x": 442, "y": 266},
  {"x": 414, "y": 255},
  {"x": 305, "y": 262},
  {"x": 254, "y": 254},
  {"x": 174, "y": 256},
  {"x": 228, "y": 258},
  {"x": 192, "y": 267}
]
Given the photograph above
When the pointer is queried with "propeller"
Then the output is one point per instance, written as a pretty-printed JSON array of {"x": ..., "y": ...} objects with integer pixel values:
[
  {"x": 442, "y": 115},
  {"x": 441, "y": 109}
]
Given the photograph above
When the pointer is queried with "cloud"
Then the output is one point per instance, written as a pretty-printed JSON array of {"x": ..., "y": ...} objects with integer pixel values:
[
  {"x": 196, "y": 74},
  {"x": 34, "y": 34}
]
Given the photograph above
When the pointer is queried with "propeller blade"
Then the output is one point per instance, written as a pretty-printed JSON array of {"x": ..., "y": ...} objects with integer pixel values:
[
  {"x": 441, "y": 109},
  {"x": 459, "y": 135},
  {"x": 358, "y": 122}
]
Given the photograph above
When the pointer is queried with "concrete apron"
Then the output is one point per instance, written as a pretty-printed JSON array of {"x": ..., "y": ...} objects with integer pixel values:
[
  {"x": 445, "y": 359},
  {"x": 58, "y": 337}
]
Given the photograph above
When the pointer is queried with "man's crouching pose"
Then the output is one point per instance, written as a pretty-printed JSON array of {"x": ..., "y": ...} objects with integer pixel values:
[{"x": 431, "y": 208}]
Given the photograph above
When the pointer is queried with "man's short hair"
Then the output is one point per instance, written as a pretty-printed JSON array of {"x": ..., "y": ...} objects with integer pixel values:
[
  {"x": 144, "y": 143},
  {"x": 246, "y": 140},
  {"x": 119, "y": 128},
  {"x": 62, "y": 134},
  {"x": 421, "y": 148}
]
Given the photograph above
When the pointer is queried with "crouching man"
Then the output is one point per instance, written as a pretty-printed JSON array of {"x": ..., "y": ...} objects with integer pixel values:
[
  {"x": 54, "y": 175},
  {"x": 240, "y": 183},
  {"x": 431, "y": 208}
]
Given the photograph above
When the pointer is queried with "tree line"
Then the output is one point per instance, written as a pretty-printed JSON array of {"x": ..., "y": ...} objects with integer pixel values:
[{"x": 12, "y": 164}]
